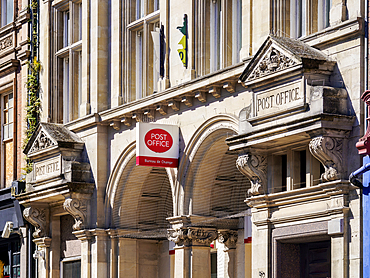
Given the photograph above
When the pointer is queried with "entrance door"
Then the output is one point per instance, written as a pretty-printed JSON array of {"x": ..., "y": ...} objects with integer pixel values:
[{"x": 315, "y": 259}]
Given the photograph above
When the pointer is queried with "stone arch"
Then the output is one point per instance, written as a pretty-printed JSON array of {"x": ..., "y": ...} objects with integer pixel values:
[
  {"x": 209, "y": 183},
  {"x": 138, "y": 198}
]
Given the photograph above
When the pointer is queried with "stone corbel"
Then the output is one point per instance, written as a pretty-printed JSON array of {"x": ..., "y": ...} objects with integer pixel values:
[
  {"x": 329, "y": 151},
  {"x": 38, "y": 218},
  {"x": 255, "y": 168},
  {"x": 228, "y": 238},
  {"x": 78, "y": 209}
]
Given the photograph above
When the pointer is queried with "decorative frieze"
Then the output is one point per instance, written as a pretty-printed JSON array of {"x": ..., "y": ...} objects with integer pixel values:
[
  {"x": 6, "y": 43},
  {"x": 78, "y": 209},
  {"x": 329, "y": 151},
  {"x": 37, "y": 218},
  {"x": 255, "y": 168}
]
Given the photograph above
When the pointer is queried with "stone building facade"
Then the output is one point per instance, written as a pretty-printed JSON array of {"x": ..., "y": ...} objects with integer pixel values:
[
  {"x": 266, "y": 98},
  {"x": 15, "y": 247}
]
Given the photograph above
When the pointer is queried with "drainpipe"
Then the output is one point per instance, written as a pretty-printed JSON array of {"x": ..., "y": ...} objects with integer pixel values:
[{"x": 363, "y": 146}]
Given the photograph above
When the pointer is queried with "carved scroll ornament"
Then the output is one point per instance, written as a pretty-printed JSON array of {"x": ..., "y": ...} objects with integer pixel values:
[
  {"x": 329, "y": 152},
  {"x": 37, "y": 218},
  {"x": 78, "y": 209},
  {"x": 272, "y": 62},
  {"x": 255, "y": 168}
]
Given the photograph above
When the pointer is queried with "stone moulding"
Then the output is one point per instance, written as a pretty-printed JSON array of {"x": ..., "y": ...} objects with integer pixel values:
[
  {"x": 329, "y": 151},
  {"x": 37, "y": 217},
  {"x": 78, "y": 209},
  {"x": 255, "y": 168}
]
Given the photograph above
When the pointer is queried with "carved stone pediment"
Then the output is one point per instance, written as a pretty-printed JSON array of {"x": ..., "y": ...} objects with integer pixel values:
[
  {"x": 48, "y": 137},
  {"x": 281, "y": 55},
  {"x": 60, "y": 171}
]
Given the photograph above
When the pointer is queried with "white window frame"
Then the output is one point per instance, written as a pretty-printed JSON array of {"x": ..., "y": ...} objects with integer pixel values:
[
  {"x": 138, "y": 33},
  {"x": 69, "y": 57},
  {"x": 7, "y": 11},
  {"x": 68, "y": 260}
]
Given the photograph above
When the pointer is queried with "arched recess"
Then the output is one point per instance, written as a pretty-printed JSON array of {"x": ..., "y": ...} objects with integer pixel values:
[
  {"x": 209, "y": 183},
  {"x": 138, "y": 198}
]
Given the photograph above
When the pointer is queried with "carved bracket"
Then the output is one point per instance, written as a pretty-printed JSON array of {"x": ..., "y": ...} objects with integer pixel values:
[
  {"x": 37, "y": 218},
  {"x": 329, "y": 151},
  {"x": 255, "y": 168},
  {"x": 192, "y": 236},
  {"x": 228, "y": 238},
  {"x": 78, "y": 209}
]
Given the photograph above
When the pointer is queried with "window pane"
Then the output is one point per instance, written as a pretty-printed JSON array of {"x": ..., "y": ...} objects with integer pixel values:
[
  {"x": 66, "y": 28},
  {"x": 72, "y": 269},
  {"x": 9, "y": 11}
]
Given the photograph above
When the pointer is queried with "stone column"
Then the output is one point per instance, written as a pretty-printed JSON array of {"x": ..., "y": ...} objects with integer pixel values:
[
  {"x": 229, "y": 239},
  {"x": 42, "y": 256},
  {"x": 85, "y": 237},
  {"x": 192, "y": 251},
  {"x": 127, "y": 258}
]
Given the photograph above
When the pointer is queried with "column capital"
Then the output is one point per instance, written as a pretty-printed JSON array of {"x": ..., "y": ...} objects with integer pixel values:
[
  {"x": 192, "y": 236},
  {"x": 43, "y": 242},
  {"x": 83, "y": 235},
  {"x": 254, "y": 167},
  {"x": 228, "y": 238}
]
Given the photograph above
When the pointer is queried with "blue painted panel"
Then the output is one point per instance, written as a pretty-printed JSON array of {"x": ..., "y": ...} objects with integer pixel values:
[{"x": 366, "y": 219}]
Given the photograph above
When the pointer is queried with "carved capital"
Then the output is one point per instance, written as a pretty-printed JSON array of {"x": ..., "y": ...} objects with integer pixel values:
[
  {"x": 255, "y": 168},
  {"x": 228, "y": 238},
  {"x": 38, "y": 218},
  {"x": 329, "y": 151},
  {"x": 192, "y": 236},
  {"x": 78, "y": 209}
]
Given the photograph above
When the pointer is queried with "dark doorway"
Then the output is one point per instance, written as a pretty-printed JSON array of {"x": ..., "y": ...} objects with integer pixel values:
[
  {"x": 315, "y": 259},
  {"x": 305, "y": 260}
]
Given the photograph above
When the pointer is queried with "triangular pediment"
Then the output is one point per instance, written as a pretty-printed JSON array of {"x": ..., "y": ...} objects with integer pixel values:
[
  {"x": 51, "y": 136},
  {"x": 278, "y": 55}
]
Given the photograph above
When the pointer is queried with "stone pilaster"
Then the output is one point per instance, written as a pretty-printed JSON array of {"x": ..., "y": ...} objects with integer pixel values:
[
  {"x": 85, "y": 237},
  {"x": 255, "y": 168},
  {"x": 229, "y": 239},
  {"x": 42, "y": 256}
]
